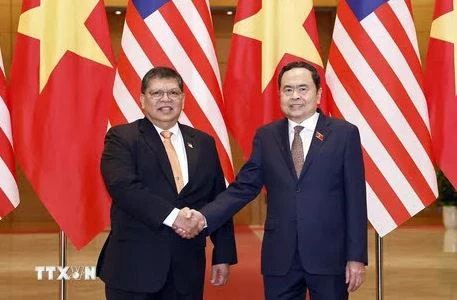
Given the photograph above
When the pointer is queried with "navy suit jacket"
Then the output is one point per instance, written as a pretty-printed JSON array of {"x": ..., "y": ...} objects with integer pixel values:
[
  {"x": 322, "y": 213},
  {"x": 140, "y": 250}
]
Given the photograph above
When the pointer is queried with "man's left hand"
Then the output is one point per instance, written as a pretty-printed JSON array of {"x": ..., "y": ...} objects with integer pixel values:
[
  {"x": 355, "y": 275},
  {"x": 220, "y": 274}
]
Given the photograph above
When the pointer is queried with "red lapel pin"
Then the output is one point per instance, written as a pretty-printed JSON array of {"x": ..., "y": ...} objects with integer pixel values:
[{"x": 319, "y": 136}]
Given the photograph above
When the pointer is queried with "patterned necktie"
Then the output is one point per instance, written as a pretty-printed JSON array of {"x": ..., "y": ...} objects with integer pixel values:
[
  {"x": 297, "y": 150},
  {"x": 173, "y": 158}
]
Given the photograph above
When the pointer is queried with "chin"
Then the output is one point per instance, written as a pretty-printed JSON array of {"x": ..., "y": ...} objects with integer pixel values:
[{"x": 297, "y": 116}]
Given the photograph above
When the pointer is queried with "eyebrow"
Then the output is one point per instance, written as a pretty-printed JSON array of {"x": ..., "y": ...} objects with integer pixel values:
[
  {"x": 160, "y": 89},
  {"x": 300, "y": 85}
]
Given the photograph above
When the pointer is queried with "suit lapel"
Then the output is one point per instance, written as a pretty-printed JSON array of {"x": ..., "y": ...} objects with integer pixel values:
[
  {"x": 282, "y": 138},
  {"x": 192, "y": 151},
  {"x": 153, "y": 140},
  {"x": 319, "y": 137}
]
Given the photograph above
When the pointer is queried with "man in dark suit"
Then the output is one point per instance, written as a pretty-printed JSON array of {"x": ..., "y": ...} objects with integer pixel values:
[
  {"x": 312, "y": 168},
  {"x": 151, "y": 168}
]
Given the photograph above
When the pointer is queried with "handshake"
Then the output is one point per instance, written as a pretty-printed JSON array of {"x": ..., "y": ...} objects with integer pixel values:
[{"x": 189, "y": 223}]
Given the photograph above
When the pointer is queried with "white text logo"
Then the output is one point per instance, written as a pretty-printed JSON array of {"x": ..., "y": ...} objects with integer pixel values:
[{"x": 65, "y": 273}]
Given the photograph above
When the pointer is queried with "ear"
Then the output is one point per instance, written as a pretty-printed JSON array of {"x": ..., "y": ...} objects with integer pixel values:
[
  {"x": 318, "y": 95},
  {"x": 142, "y": 99}
]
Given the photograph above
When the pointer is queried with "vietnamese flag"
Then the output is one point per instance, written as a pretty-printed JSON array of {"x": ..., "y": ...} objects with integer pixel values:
[
  {"x": 61, "y": 89},
  {"x": 267, "y": 35},
  {"x": 441, "y": 84}
]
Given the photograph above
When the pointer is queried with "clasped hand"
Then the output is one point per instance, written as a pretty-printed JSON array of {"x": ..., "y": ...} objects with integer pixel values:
[{"x": 189, "y": 223}]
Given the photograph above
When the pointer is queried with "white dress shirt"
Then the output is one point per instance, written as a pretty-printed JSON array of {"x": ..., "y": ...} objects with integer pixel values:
[{"x": 306, "y": 134}]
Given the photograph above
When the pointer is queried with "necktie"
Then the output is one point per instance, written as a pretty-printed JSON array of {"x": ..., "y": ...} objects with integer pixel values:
[
  {"x": 297, "y": 150},
  {"x": 173, "y": 158}
]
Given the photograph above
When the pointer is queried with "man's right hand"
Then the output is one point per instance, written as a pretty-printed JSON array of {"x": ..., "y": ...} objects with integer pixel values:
[{"x": 189, "y": 223}]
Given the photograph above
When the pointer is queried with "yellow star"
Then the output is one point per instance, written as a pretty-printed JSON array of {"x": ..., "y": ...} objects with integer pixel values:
[
  {"x": 444, "y": 28},
  {"x": 279, "y": 26},
  {"x": 59, "y": 25}
]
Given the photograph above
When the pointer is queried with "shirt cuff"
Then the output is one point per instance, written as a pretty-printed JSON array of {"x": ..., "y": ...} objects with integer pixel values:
[{"x": 171, "y": 217}]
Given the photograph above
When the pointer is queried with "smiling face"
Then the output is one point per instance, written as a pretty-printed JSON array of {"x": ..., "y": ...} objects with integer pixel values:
[
  {"x": 162, "y": 102},
  {"x": 299, "y": 96}
]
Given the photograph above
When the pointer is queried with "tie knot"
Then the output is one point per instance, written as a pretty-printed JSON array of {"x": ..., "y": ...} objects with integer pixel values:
[
  {"x": 166, "y": 134},
  {"x": 298, "y": 129}
]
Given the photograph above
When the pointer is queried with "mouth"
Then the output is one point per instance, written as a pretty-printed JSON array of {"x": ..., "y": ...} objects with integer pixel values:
[
  {"x": 165, "y": 109},
  {"x": 296, "y": 106}
]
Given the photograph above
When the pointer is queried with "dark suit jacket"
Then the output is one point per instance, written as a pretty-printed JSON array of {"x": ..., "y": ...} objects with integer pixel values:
[
  {"x": 140, "y": 250},
  {"x": 322, "y": 213}
]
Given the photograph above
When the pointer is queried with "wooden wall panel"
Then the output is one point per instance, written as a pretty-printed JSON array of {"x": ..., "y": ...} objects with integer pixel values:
[
  {"x": 325, "y": 18},
  {"x": 9, "y": 16},
  {"x": 5, "y": 32},
  {"x": 116, "y": 25},
  {"x": 116, "y": 3},
  {"x": 220, "y": 3},
  {"x": 223, "y": 26},
  {"x": 423, "y": 13}
]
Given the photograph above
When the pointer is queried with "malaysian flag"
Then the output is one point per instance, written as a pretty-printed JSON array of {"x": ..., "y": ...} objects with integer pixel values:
[
  {"x": 9, "y": 194},
  {"x": 178, "y": 34},
  {"x": 375, "y": 78}
]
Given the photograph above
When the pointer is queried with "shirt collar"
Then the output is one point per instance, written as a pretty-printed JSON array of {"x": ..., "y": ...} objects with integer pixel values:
[
  {"x": 309, "y": 123},
  {"x": 175, "y": 130}
]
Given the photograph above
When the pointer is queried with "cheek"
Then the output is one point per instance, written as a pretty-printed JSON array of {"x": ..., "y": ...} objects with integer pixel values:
[
  {"x": 311, "y": 102},
  {"x": 148, "y": 106},
  {"x": 284, "y": 108}
]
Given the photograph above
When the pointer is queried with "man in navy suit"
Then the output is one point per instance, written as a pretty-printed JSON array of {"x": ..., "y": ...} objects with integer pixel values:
[
  {"x": 143, "y": 258},
  {"x": 312, "y": 168}
]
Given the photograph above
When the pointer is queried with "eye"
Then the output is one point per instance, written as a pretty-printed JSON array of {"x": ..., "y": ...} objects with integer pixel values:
[
  {"x": 288, "y": 91},
  {"x": 157, "y": 94},
  {"x": 302, "y": 90},
  {"x": 174, "y": 93}
]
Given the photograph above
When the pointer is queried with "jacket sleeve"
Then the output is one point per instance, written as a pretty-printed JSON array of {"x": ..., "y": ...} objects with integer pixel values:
[
  {"x": 355, "y": 194},
  {"x": 223, "y": 239},
  {"x": 119, "y": 171},
  {"x": 243, "y": 190}
]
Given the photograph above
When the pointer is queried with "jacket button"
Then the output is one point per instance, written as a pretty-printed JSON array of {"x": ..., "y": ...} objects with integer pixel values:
[{"x": 298, "y": 190}]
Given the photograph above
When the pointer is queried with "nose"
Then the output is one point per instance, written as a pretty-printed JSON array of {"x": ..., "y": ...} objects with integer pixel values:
[
  {"x": 166, "y": 97},
  {"x": 295, "y": 94}
]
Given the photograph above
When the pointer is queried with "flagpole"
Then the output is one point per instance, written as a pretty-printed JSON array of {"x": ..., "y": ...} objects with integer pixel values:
[
  {"x": 379, "y": 278},
  {"x": 62, "y": 263}
]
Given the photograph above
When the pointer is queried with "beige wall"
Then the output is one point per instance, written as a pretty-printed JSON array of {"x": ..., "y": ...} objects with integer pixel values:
[{"x": 31, "y": 210}]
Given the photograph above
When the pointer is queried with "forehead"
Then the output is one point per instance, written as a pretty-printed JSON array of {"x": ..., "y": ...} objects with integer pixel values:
[
  {"x": 159, "y": 83},
  {"x": 297, "y": 76}
]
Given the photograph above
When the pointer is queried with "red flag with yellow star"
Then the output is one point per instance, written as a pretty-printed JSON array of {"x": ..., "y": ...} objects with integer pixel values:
[
  {"x": 441, "y": 86},
  {"x": 61, "y": 89},
  {"x": 267, "y": 35}
]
